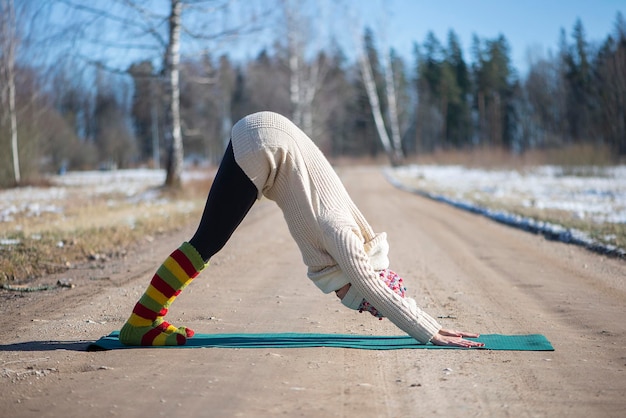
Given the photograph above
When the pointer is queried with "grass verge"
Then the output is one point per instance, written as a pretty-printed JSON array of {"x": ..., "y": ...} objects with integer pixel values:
[
  {"x": 605, "y": 233},
  {"x": 97, "y": 229}
]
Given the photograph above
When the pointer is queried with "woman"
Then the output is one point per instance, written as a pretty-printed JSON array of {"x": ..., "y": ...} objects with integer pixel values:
[{"x": 269, "y": 156}]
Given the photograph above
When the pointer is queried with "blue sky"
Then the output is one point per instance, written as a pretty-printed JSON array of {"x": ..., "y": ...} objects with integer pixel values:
[
  {"x": 528, "y": 25},
  {"x": 533, "y": 24}
]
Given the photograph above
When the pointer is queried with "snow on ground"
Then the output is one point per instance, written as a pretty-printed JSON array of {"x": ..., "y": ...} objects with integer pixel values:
[
  {"x": 600, "y": 195},
  {"x": 135, "y": 185},
  {"x": 597, "y": 194}
]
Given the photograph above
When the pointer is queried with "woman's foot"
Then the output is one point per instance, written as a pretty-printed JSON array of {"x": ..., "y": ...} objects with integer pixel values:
[
  {"x": 169, "y": 328},
  {"x": 159, "y": 333}
]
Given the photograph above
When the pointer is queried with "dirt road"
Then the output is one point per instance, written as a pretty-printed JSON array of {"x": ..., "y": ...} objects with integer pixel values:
[{"x": 483, "y": 276}]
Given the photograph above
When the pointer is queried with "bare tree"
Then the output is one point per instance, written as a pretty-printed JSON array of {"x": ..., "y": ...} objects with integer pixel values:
[
  {"x": 393, "y": 150},
  {"x": 143, "y": 25},
  {"x": 393, "y": 145},
  {"x": 394, "y": 122},
  {"x": 8, "y": 36},
  {"x": 172, "y": 71},
  {"x": 305, "y": 78},
  {"x": 372, "y": 95}
]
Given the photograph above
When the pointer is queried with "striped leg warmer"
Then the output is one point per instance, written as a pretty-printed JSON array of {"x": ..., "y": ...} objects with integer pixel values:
[{"x": 146, "y": 325}]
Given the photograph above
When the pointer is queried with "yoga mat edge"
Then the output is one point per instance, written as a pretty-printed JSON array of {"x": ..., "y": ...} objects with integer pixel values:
[{"x": 526, "y": 342}]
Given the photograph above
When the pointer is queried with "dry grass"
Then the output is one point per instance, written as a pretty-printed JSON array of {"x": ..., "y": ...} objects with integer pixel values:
[
  {"x": 95, "y": 229},
  {"x": 579, "y": 160},
  {"x": 607, "y": 233},
  {"x": 493, "y": 158}
]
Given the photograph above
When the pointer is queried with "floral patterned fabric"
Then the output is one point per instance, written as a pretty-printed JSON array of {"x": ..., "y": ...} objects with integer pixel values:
[{"x": 394, "y": 282}]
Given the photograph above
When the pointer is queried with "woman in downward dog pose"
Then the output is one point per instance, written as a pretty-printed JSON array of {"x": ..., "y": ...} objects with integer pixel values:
[{"x": 269, "y": 156}]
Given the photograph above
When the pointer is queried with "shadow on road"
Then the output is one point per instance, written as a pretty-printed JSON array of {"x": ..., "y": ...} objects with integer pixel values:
[{"x": 47, "y": 346}]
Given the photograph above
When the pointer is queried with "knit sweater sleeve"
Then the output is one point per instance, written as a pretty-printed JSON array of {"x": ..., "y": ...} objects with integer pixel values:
[{"x": 347, "y": 249}]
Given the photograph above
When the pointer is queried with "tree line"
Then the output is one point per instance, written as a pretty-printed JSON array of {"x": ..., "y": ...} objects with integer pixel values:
[{"x": 381, "y": 103}]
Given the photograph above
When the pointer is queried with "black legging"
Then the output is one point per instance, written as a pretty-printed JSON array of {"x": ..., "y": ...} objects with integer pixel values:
[{"x": 230, "y": 198}]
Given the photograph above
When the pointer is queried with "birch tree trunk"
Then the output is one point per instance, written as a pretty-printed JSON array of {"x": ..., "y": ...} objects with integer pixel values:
[
  {"x": 372, "y": 95},
  {"x": 310, "y": 89},
  {"x": 393, "y": 110},
  {"x": 173, "y": 177},
  {"x": 13, "y": 118},
  {"x": 294, "y": 74},
  {"x": 9, "y": 38},
  {"x": 303, "y": 79}
]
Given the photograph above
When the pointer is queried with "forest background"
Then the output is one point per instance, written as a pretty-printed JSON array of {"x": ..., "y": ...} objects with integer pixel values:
[{"x": 130, "y": 83}]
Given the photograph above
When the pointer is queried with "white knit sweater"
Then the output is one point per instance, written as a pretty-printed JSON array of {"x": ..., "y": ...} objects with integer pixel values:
[{"x": 337, "y": 244}]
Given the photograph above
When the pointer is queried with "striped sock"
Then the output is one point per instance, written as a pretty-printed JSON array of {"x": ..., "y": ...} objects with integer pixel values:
[{"x": 146, "y": 325}]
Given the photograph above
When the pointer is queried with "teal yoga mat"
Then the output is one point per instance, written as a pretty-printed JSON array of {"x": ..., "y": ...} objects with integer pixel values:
[{"x": 529, "y": 342}]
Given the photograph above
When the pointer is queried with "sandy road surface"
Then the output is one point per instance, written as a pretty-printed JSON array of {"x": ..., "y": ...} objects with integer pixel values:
[{"x": 490, "y": 278}]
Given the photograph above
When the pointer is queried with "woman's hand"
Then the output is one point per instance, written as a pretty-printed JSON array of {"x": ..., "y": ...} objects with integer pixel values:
[{"x": 455, "y": 339}]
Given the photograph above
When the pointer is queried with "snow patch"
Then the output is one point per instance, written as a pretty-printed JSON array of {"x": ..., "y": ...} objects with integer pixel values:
[
  {"x": 137, "y": 185},
  {"x": 599, "y": 196}
]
